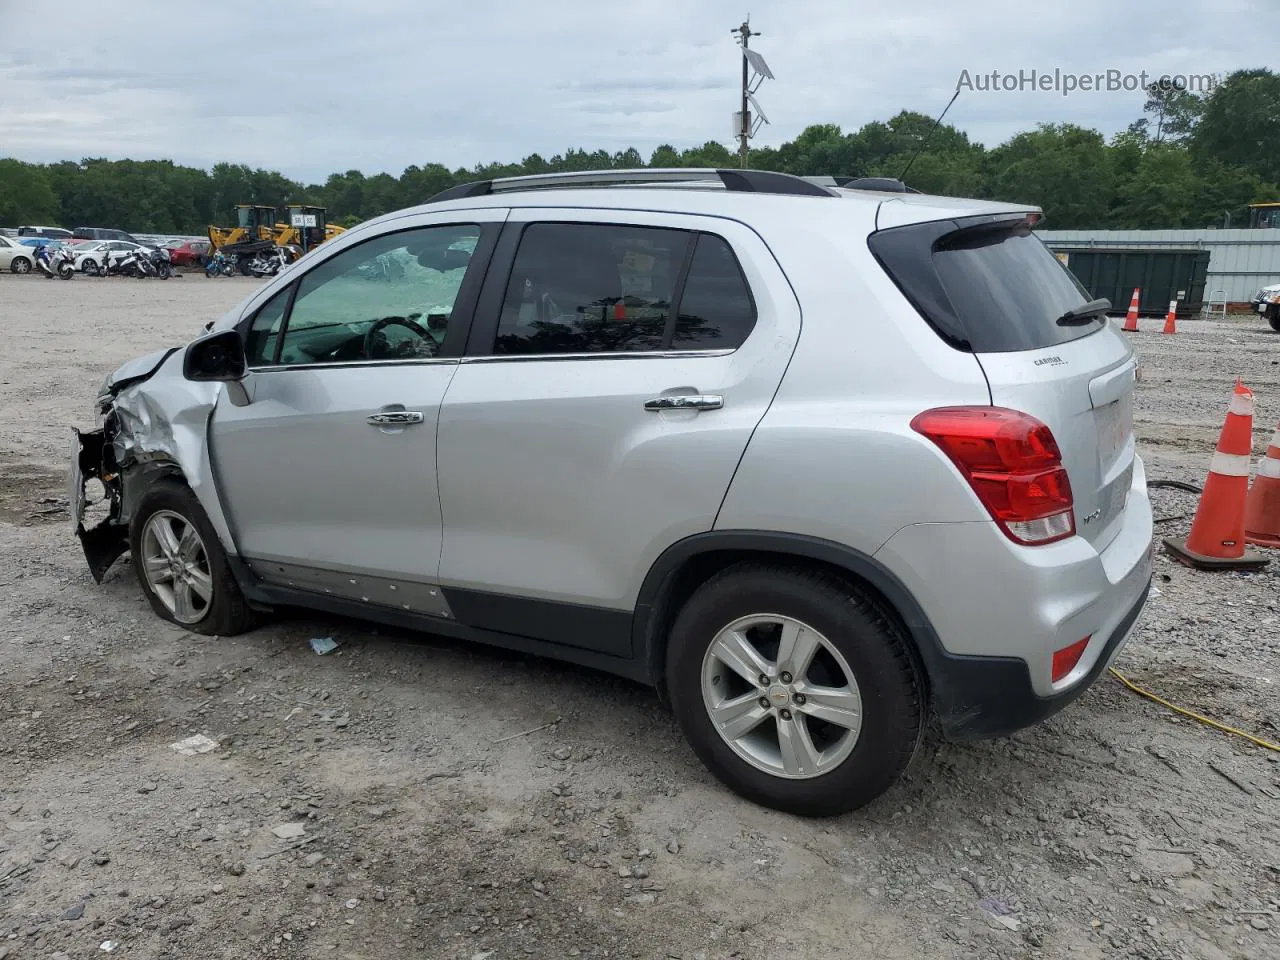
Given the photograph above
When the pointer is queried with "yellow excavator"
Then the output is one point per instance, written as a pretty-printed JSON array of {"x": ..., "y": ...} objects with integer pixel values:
[
  {"x": 257, "y": 231},
  {"x": 1263, "y": 215},
  {"x": 306, "y": 228}
]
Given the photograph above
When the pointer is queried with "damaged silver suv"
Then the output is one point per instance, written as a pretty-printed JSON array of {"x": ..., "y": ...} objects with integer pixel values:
[{"x": 814, "y": 458}]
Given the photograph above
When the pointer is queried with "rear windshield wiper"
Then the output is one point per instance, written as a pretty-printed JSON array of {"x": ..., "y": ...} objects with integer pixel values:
[{"x": 1077, "y": 316}]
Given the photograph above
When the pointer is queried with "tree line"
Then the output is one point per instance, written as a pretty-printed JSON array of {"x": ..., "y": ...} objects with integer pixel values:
[{"x": 1192, "y": 160}]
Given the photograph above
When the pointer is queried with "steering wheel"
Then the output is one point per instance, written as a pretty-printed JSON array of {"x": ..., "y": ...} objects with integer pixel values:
[{"x": 374, "y": 335}]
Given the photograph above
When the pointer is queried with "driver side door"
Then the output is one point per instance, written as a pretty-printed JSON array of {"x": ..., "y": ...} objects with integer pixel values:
[{"x": 328, "y": 472}]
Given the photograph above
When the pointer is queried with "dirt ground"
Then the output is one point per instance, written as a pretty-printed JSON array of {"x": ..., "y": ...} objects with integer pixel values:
[{"x": 455, "y": 802}]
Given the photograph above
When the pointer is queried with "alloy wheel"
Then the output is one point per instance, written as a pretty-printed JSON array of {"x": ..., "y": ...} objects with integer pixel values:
[
  {"x": 781, "y": 696},
  {"x": 176, "y": 565}
]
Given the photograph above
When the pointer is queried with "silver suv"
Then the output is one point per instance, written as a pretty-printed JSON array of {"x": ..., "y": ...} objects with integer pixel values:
[{"x": 814, "y": 458}]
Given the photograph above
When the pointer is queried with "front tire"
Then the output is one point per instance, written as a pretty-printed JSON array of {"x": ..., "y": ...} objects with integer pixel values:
[
  {"x": 20, "y": 265},
  {"x": 795, "y": 689},
  {"x": 1273, "y": 318},
  {"x": 182, "y": 566}
]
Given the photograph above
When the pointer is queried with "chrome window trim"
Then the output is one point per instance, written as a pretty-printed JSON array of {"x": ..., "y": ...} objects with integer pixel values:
[
  {"x": 514, "y": 358},
  {"x": 416, "y": 362},
  {"x": 614, "y": 355}
]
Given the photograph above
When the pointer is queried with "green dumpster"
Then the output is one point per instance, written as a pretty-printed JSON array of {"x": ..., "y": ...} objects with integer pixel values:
[{"x": 1161, "y": 274}]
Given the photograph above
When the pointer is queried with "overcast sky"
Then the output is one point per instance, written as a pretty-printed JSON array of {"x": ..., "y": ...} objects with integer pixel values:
[{"x": 381, "y": 84}]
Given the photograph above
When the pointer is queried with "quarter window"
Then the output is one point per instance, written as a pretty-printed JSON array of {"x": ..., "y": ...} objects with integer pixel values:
[
  {"x": 389, "y": 298},
  {"x": 716, "y": 310},
  {"x": 614, "y": 288}
]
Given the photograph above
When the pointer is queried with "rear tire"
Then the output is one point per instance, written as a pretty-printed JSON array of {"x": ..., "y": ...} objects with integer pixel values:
[
  {"x": 776, "y": 763},
  {"x": 20, "y": 265},
  {"x": 185, "y": 574}
]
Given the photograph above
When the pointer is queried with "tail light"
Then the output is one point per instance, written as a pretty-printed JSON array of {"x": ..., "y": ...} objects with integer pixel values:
[{"x": 1012, "y": 463}]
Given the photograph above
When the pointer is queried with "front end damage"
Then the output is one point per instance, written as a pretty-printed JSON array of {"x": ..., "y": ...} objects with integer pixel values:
[
  {"x": 93, "y": 459},
  {"x": 154, "y": 423}
]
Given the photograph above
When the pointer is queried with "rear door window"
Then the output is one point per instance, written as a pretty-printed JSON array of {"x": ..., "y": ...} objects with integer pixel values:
[
  {"x": 986, "y": 287},
  {"x": 589, "y": 288}
]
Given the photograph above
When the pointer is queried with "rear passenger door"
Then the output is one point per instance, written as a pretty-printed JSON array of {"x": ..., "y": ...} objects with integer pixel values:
[{"x": 616, "y": 368}]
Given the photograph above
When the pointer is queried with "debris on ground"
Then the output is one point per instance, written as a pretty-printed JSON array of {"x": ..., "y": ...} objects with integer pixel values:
[
  {"x": 323, "y": 645},
  {"x": 193, "y": 745}
]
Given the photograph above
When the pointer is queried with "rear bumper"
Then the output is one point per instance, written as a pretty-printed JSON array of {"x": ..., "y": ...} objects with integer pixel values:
[
  {"x": 996, "y": 612},
  {"x": 982, "y": 697}
]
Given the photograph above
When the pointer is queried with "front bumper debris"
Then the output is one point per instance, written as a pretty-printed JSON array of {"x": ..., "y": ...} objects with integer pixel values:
[{"x": 104, "y": 542}]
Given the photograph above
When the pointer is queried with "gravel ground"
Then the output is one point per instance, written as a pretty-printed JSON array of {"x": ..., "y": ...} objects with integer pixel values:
[{"x": 445, "y": 801}]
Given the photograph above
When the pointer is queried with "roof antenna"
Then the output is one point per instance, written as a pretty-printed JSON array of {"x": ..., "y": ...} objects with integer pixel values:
[{"x": 925, "y": 142}]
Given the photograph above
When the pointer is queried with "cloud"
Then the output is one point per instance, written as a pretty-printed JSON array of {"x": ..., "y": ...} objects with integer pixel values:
[{"x": 382, "y": 84}]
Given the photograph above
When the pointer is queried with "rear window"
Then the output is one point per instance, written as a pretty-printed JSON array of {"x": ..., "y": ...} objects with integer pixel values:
[{"x": 986, "y": 286}]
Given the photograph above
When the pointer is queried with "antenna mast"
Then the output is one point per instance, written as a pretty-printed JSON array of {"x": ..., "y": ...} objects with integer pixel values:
[{"x": 744, "y": 124}]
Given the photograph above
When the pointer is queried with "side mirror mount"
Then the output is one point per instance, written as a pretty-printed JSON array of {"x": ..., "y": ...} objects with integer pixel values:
[{"x": 218, "y": 358}]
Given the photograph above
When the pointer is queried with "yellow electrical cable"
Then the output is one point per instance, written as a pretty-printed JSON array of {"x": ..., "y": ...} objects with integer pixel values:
[{"x": 1194, "y": 716}]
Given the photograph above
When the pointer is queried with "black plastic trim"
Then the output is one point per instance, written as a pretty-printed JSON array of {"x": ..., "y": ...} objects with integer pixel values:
[
  {"x": 266, "y": 597},
  {"x": 482, "y": 330},
  {"x": 461, "y": 191},
  {"x": 564, "y": 624},
  {"x": 768, "y": 181}
]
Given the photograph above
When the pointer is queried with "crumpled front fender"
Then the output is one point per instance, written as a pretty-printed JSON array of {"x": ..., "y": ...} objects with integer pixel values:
[{"x": 160, "y": 423}]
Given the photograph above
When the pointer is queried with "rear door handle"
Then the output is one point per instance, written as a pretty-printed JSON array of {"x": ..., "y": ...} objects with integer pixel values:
[
  {"x": 685, "y": 402},
  {"x": 394, "y": 418}
]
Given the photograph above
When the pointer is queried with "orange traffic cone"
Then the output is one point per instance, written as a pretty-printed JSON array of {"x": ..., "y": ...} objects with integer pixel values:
[
  {"x": 1171, "y": 320},
  {"x": 1262, "y": 508},
  {"x": 1131, "y": 318},
  {"x": 1217, "y": 532}
]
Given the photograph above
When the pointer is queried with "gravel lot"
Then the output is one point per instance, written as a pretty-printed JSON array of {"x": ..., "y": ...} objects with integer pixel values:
[{"x": 458, "y": 802}]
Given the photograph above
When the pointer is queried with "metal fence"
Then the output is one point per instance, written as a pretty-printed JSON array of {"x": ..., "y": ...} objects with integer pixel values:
[{"x": 1240, "y": 261}]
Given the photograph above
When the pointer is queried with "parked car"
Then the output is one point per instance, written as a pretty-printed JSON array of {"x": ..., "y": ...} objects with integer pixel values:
[
  {"x": 91, "y": 257},
  {"x": 189, "y": 253},
  {"x": 602, "y": 433},
  {"x": 103, "y": 233},
  {"x": 1267, "y": 303},
  {"x": 41, "y": 242},
  {"x": 51, "y": 233},
  {"x": 14, "y": 256}
]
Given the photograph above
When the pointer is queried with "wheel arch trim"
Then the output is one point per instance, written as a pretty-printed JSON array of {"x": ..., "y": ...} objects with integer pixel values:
[{"x": 650, "y": 645}]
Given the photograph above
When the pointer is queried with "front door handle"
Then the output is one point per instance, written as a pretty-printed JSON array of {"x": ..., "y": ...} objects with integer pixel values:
[
  {"x": 394, "y": 418},
  {"x": 685, "y": 402}
]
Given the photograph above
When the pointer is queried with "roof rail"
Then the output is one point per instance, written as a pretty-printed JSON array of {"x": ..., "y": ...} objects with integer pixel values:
[{"x": 738, "y": 181}]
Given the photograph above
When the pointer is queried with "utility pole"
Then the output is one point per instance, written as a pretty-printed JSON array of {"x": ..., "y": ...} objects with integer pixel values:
[{"x": 744, "y": 130}]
